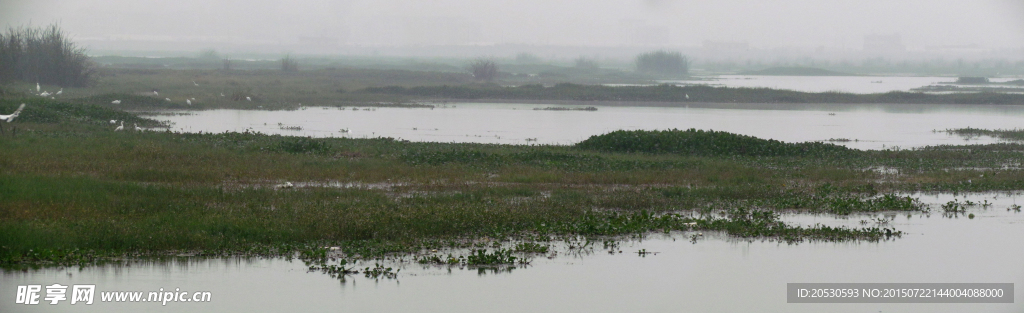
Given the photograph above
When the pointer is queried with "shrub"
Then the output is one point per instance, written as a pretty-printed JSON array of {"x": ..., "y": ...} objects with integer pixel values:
[
  {"x": 485, "y": 70},
  {"x": 662, "y": 62},
  {"x": 45, "y": 56},
  {"x": 289, "y": 65}
]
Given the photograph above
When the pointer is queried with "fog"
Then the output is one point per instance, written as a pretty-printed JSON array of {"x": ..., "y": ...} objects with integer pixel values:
[{"x": 317, "y": 26}]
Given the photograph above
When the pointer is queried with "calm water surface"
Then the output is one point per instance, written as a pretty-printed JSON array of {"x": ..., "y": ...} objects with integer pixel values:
[
  {"x": 715, "y": 274},
  {"x": 872, "y": 126}
]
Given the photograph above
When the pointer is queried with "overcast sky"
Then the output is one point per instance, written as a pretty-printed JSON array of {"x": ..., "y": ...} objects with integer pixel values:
[{"x": 761, "y": 23}]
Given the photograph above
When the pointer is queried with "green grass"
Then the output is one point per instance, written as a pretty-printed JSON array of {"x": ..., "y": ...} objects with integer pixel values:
[{"x": 74, "y": 191}]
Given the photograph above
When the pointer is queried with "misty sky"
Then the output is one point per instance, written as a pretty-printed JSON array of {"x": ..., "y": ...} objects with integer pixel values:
[{"x": 763, "y": 24}]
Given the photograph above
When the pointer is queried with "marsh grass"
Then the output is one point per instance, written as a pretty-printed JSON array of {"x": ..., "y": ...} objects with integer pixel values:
[
  {"x": 1006, "y": 134},
  {"x": 75, "y": 191},
  {"x": 672, "y": 93}
]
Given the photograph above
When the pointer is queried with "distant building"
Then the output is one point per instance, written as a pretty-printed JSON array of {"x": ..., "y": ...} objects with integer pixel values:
[{"x": 884, "y": 43}]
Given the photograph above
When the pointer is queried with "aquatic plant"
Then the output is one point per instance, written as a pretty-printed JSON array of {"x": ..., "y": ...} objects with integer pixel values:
[
  {"x": 481, "y": 257},
  {"x": 704, "y": 143},
  {"x": 379, "y": 271}
]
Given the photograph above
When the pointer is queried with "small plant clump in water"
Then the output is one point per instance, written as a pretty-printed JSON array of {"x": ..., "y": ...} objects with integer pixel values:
[{"x": 379, "y": 271}]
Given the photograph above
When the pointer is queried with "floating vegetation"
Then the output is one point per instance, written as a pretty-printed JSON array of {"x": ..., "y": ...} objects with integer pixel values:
[
  {"x": 531, "y": 247},
  {"x": 565, "y": 109},
  {"x": 1005, "y": 134},
  {"x": 379, "y": 271},
  {"x": 1014, "y": 208},
  {"x": 840, "y": 140}
]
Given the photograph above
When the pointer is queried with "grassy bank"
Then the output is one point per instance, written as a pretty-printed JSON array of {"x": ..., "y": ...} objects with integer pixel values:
[
  {"x": 74, "y": 191},
  {"x": 672, "y": 93}
]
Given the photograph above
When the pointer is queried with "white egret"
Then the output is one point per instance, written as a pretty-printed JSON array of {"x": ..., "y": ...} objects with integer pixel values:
[
  {"x": 45, "y": 94},
  {"x": 11, "y": 117},
  {"x": 37, "y": 87},
  {"x": 687, "y": 95},
  {"x": 115, "y": 102},
  {"x": 60, "y": 91},
  {"x": 137, "y": 128},
  {"x": 168, "y": 99},
  {"x": 113, "y": 121},
  {"x": 222, "y": 94},
  {"x": 120, "y": 128},
  {"x": 194, "y": 83},
  {"x": 247, "y": 98},
  {"x": 155, "y": 93},
  {"x": 188, "y": 101}
]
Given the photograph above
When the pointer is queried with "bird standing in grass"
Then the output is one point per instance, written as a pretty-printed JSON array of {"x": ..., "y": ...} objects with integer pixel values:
[
  {"x": 188, "y": 101},
  {"x": 60, "y": 91},
  {"x": 137, "y": 128},
  {"x": 113, "y": 121},
  {"x": 120, "y": 128},
  {"x": 37, "y": 87},
  {"x": 115, "y": 102}
]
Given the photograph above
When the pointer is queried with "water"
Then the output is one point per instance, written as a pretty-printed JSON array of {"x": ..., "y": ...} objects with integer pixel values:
[
  {"x": 716, "y": 274},
  {"x": 872, "y": 126},
  {"x": 849, "y": 84}
]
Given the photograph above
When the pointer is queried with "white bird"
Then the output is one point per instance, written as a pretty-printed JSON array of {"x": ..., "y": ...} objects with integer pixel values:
[
  {"x": 113, "y": 121},
  {"x": 687, "y": 95},
  {"x": 137, "y": 128},
  {"x": 188, "y": 101},
  {"x": 45, "y": 94},
  {"x": 60, "y": 91},
  {"x": 194, "y": 83},
  {"x": 120, "y": 128},
  {"x": 37, "y": 87},
  {"x": 168, "y": 99},
  {"x": 115, "y": 102},
  {"x": 247, "y": 98},
  {"x": 11, "y": 117},
  {"x": 156, "y": 93},
  {"x": 222, "y": 94},
  {"x": 193, "y": 99}
]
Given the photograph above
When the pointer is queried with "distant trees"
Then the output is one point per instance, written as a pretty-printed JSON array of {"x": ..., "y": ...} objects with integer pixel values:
[
  {"x": 585, "y": 63},
  {"x": 662, "y": 62},
  {"x": 43, "y": 55},
  {"x": 526, "y": 57},
  {"x": 483, "y": 69},
  {"x": 289, "y": 65}
]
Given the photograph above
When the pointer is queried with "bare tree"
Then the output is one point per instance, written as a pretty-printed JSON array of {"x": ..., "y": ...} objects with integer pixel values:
[
  {"x": 289, "y": 65},
  {"x": 484, "y": 69}
]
